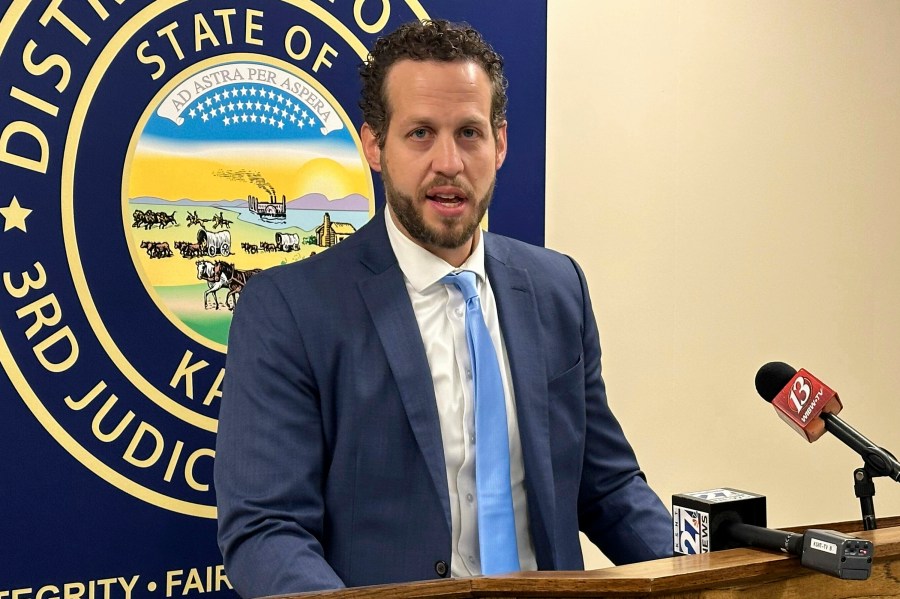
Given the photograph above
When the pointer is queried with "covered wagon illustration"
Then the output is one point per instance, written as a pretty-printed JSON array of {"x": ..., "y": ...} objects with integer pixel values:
[
  {"x": 214, "y": 243},
  {"x": 287, "y": 241}
]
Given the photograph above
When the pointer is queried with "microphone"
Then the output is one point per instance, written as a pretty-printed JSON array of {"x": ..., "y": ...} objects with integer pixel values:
[
  {"x": 726, "y": 518},
  {"x": 811, "y": 408}
]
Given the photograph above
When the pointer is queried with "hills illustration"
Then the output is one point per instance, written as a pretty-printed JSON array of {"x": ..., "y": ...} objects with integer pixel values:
[{"x": 311, "y": 201}]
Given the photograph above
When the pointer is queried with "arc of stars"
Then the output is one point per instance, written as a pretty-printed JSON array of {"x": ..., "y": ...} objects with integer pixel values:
[{"x": 213, "y": 109}]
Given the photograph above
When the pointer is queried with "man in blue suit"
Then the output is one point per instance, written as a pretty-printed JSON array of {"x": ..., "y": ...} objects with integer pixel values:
[{"x": 345, "y": 452}]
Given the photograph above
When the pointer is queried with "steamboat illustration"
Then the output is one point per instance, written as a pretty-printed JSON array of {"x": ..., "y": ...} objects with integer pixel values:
[{"x": 271, "y": 211}]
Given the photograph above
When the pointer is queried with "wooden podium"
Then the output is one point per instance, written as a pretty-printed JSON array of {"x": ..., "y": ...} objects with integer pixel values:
[{"x": 736, "y": 573}]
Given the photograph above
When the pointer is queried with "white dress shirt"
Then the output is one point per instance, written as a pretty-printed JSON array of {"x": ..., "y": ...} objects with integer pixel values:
[{"x": 440, "y": 312}]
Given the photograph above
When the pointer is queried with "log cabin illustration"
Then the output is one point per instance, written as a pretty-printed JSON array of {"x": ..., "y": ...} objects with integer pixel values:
[{"x": 330, "y": 233}]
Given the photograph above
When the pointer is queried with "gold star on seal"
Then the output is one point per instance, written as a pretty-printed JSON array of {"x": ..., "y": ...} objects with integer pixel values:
[{"x": 15, "y": 215}]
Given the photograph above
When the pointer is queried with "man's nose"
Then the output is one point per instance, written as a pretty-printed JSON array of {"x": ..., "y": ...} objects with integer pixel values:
[{"x": 447, "y": 160}]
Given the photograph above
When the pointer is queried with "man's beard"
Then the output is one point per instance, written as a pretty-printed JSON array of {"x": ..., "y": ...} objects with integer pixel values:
[{"x": 455, "y": 233}]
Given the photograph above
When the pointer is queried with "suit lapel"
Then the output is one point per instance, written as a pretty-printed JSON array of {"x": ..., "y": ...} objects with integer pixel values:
[
  {"x": 520, "y": 323},
  {"x": 388, "y": 303}
]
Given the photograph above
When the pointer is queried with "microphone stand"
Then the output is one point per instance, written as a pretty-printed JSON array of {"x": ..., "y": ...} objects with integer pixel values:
[
  {"x": 864, "y": 487},
  {"x": 877, "y": 462}
]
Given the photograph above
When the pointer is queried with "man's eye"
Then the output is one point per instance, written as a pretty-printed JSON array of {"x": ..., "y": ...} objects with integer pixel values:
[
  {"x": 419, "y": 133},
  {"x": 469, "y": 133}
]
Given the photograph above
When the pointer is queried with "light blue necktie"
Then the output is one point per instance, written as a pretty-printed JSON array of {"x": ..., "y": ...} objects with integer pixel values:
[{"x": 496, "y": 520}]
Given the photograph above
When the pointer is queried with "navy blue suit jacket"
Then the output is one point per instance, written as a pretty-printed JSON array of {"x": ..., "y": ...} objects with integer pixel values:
[{"x": 329, "y": 463}]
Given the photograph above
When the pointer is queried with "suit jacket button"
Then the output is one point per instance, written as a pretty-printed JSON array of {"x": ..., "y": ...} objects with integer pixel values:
[{"x": 441, "y": 568}]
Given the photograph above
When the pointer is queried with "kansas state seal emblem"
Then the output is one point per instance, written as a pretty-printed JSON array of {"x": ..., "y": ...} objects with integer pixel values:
[{"x": 158, "y": 156}]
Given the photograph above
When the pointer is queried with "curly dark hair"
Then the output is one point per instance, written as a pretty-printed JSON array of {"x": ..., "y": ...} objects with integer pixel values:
[{"x": 438, "y": 40}]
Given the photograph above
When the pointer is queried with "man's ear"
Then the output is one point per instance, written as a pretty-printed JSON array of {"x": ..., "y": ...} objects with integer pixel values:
[
  {"x": 370, "y": 147},
  {"x": 501, "y": 145}
]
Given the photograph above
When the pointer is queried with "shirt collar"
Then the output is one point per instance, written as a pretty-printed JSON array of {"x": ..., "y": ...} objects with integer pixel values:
[{"x": 422, "y": 268}]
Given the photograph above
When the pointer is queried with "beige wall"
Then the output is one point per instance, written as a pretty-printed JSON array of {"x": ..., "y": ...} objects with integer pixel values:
[{"x": 728, "y": 175}]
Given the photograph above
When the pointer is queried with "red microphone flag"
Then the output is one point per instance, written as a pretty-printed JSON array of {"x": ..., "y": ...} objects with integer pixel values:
[{"x": 803, "y": 400}]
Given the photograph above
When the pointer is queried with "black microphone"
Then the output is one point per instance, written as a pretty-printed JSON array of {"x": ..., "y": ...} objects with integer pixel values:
[
  {"x": 827, "y": 551},
  {"x": 796, "y": 395},
  {"x": 726, "y": 518}
]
